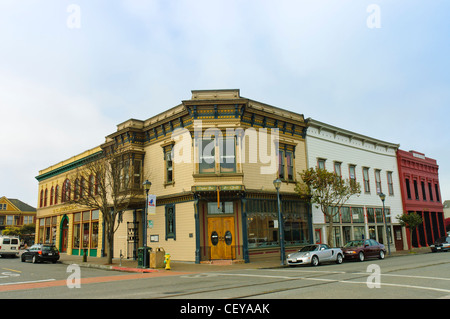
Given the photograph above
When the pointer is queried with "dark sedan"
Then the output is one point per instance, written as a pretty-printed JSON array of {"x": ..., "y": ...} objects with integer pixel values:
[
  {"x": 41, "y": 252},
  {"x": 441, "y": 244},
  {"x": 362, "y": 249}
]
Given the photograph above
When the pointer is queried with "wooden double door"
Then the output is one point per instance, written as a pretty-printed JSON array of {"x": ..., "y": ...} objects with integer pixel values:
[{"x": 221, "y": 237}]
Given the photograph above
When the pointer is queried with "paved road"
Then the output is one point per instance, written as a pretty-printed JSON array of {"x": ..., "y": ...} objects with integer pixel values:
[{"x": 424, "y": 276}]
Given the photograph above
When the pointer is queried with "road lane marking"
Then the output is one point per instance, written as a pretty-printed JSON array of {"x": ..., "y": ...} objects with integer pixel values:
[
  {"x": 302, "y": 270},
  {"x": 335, "y": 281},
  {"x": 46, "y": 283},
  {"x": 399, "y": 285},
  {"x": 358, "y": 273},
  {"x": 407, "y": 276},
  {"x": 25, "y": 282},
  {"x": 12, "y": 270}
]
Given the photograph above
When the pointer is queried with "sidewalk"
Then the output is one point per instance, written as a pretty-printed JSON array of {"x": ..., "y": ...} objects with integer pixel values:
[{"x": 128, "y": 265}]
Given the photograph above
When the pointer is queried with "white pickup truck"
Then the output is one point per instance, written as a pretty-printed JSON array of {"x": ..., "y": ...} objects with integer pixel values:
[{"x": 315, "y": 254}]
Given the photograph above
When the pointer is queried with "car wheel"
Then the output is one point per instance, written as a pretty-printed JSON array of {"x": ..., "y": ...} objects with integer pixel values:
[
  {"x": 361, "y": 256},
  {"x": 22, "y": 258},
  {"x": 381, "y": 254},
  {"x": 339, "y": 259},
  {"x": 34, "y": 260},
  {"x": 314, "y": 261}
]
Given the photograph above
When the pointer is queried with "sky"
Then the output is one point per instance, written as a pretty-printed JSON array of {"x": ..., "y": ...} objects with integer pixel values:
[{"x": 70, "y": 71}]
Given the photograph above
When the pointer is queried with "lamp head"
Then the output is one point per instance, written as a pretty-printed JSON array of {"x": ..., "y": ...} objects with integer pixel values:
[
  {"x": 147, "y": 185},
  {"x": 277, "y": 183}
]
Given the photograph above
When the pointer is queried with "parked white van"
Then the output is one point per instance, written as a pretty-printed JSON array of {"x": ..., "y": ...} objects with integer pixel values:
[{"x": 9, "y": 246}]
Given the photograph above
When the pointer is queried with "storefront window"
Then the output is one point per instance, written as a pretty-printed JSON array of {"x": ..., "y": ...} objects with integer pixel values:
[
  {"x": 54, "y": 230},
  {"x": 358, "y": 232},
  {"x": 263, "y": 226},
  {"x": 41, "y": 230},
  {"x": 379, "y": 215},
  {"x": 85, "y": 235},
  {"x": 47, "y": 230},
  {"x": 94, "y": 239},
  {"x": 345, "y": 211},
  {"x": 85, "y": 230},
  {"x": 370, "y": 215},
  {"x": 337, "y": 237},
  {"x": 94, "y": 227},
  {"x": 358, "y": 214},
  {"x": 76, "y": 235}
]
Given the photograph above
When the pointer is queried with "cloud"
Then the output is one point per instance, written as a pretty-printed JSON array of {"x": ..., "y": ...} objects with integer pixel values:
[
  {"x": 42, "y": 126},
  {"x": 65, "y": 89}
]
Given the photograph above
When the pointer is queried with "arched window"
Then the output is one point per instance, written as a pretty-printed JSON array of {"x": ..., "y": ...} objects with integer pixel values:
[
  {"x": 45, "y": 197},
  {"x": 52, "y": 194},
  {"x": 66, "y": 191},
  {"x": 96, "y": 185},
  {"x": 41, "y": 202},
  {"x": 82, "y": 187},
  {"x": 91, "y": 185},
  {"x": 56, "y": 194},
  {"x": 76, "y": 193}
]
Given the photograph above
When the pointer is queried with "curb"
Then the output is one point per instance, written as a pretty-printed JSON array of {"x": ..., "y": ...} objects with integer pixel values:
[
  {"x": 111, "y": 267},
  {"x": 153, "y": 270}
]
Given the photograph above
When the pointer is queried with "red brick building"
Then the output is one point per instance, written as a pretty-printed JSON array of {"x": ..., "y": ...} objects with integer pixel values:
[{"x": 419, "y": 181}]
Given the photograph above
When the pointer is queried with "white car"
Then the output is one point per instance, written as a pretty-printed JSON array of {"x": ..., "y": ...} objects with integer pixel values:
[{"x": 315, "y": 254}]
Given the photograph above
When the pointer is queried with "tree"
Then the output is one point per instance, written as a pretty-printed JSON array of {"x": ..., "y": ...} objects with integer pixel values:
[
  {"x": 109, "y": 182},
  {"x": 410, "y": 221},
  {"x": 11, "y": 231},
  {"x": 329, "y": 191}
]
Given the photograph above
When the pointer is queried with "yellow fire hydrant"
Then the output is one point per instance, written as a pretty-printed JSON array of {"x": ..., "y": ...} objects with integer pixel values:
[{"x": 167, "y": 261}]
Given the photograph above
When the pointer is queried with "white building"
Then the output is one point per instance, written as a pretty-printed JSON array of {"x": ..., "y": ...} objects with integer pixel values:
[{"x": 373, "y": 164}]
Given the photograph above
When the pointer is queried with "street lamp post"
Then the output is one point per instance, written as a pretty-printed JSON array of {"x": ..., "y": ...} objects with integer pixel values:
[
  {"x": 388, "y": 232},
  {"x": 147, "y": 186},
  {"x": 277, "y": 184}
]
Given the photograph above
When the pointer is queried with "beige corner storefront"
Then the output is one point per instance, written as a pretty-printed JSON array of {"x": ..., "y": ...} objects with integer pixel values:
[{"x": 219, "y": 202}]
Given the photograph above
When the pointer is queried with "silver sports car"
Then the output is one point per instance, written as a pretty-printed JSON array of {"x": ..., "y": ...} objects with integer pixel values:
[{"x": 315, "y": 254}]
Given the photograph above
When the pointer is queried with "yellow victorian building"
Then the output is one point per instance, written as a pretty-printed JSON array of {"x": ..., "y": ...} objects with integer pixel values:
[
  {"x": 15, "y": 213},
  {"x": 212, "y": 161}
]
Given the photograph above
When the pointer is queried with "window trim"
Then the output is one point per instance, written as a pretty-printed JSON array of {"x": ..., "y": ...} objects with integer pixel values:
[
  {"x": 281, "y": 166},
  {"x": 390, "y": 182},
  {"x": 168, "y": 157},
  {"x": 366, "y": 181},
  {"x": 170, "y": 234},
  {"x": 350, "y": 166},
  {"x": 377, "y": 173},
  {"x": 321, "y": 160},
  {"x": 338, "y": 165}
]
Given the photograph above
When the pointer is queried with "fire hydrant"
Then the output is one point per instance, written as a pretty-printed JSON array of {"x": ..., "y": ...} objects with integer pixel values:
[{"x": 167, "y": 261}]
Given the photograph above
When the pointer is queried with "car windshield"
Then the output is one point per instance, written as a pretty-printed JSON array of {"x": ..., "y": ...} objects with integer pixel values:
[
  {"x": 354, "y": 243},
  {"x": 309, "y": 248},
  {"x": 441, "y": 240},
  {"x": 48, "y": 248}
]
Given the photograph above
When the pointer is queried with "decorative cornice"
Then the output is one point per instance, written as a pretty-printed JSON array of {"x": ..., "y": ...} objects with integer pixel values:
[{"x": 69, "y": 167}]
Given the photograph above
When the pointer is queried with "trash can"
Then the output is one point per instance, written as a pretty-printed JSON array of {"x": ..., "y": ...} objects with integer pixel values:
[
  {"x": 141, "y": 262},
  {"x": 157, "y": 258}
]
